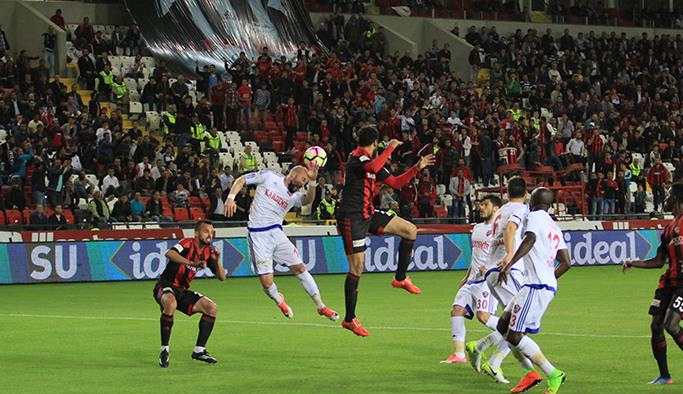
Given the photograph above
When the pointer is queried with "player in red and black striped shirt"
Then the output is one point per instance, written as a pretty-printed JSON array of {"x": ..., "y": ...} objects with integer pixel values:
[
  {"x": 667, "y": 306},
  {"x": 357, "y": 217},
  {"x": 172, "y": 291}
]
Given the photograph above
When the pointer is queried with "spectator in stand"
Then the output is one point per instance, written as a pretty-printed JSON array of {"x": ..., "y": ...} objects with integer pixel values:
[
  {"x": 110, "y": 183},
  {"x": 475, "y": 61},
  {"x": 145, "y": 184},
  {"x": 459, "y": 188},
  {"x": 596, "y": 192},
  {"x": 133, "y": 41},
  {"x": 244, "y": 104},
  {"x": 217, "y": 208},
  {"x": 243, "y": 202},
  {"x": 122, "y": 211},
  {"x": 38, "y": 220},
  {"x": 154, "y": 209},
  {"x": 57, "y": 221},
  {"x": 261, "y": 105},
  {"x": 49, "y": 48},
  {"x": 639, "y": 199},
  {"x": 57, "y": 175},
  {"x": 99, "y": 210},
  {"x": 137, "y": 208},
  {"x": 427, "y": 194},
  {"x": 180, "y": 196},
  {"x": 4, "y": 44},
  {"x": 82, "y": 186},
  {"x": 610, "y": 196},
  {"x": 657, "y": 177},
  {"x": 247, "y": 161},
  {"x": 86, "y": 69},
  {"x": 85, "y": 34},
  {"x": 58, "y": 19}
]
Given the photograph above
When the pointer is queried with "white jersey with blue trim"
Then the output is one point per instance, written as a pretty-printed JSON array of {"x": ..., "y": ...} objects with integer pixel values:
[
  {"x": 272, "y": 200},
  {"x": 512, "y": 212},
  {"x": 481, "y": 246},
  {"x": 540, "y": 261}
]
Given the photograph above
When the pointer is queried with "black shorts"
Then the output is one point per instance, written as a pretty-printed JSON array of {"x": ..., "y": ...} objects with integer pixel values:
[
  {"x": 665, "y": 299},
  {"x": 185, "y": 299},
  {"x": 354, "y": 228}
]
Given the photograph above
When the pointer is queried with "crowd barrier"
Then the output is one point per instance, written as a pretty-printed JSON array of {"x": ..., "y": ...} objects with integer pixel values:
[{"x": 140, "y": 259}]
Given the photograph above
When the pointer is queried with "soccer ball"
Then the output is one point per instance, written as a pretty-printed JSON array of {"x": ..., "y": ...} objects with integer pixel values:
[{"x": 316, "y": 154}]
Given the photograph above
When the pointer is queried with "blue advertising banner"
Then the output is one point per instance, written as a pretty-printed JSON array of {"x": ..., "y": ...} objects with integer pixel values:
[{"x": 144, "y": 259}]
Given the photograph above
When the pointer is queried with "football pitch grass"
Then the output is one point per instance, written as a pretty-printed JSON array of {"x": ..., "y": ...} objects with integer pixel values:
[{"x": 104, "y": 338}]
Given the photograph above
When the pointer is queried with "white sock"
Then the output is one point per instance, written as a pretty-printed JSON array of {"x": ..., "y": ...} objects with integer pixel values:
[
  {"x": 199, "y": 349},
  {"x": 164, "y": 348},
  {"x": 501, "y": 352},
  {"x": 273, "y": 293},
  {"x": 524, "y": 362},
  {"x": 533, "y": 351},
  {"x": 488, "y": 341},
  {"x": 458, "y": 331},
  {"x": 311, "y": 288},
  {"x": 492, "y": 322}
]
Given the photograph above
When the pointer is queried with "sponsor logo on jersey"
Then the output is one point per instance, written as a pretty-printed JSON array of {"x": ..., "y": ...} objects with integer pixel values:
[
  {"x": 488, "y": 233},
  {"x": 677, "y": 241},
  {"x": 656, "y": 303},
  {"x": 369, "y": 175},
  {"x": 481, "y": 245},
  {"x": 517, "y": 308},
  {"x": 277, "y": 198}
]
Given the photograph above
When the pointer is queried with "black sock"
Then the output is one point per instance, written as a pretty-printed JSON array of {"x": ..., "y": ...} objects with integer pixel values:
[
  {"x": 205, "y": 328},
  {"x": 405, "y": 251},
  {"x": 166, "y": 326},
  {"x": 659, "y": 351},
  {"x": 351, "y": 295}
]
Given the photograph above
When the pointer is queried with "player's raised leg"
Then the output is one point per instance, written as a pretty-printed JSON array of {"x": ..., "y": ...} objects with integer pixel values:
[
  {"x": 311, "y": 288},
  {"x": 209, "y": 310},
  {"x": 168, "y": 307},
  {"x": 408, "y": 233}
]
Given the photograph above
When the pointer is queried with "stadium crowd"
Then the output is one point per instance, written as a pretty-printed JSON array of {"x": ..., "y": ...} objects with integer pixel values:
[{"x": 604, "y": 105}]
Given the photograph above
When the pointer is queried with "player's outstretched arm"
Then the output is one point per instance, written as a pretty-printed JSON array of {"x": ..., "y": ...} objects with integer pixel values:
[
  {"x": 380, "y": 161},
  {"x": 230, "y": 206},
  {"x": 397, "y": 182},
  {"x": 524, "y": 248},
  {"x": 565, "y": 262},
  {"x": 310, "y": 193},
  {"x": 656, "y": 262},
  {"x": 175, "y": 257}
]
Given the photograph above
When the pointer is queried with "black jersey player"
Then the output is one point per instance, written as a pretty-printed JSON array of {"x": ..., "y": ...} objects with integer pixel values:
[
  {"x": 357, "y": 217},
  {"x": 172, "y": 290},
  {"x": 667, "y": 306}
]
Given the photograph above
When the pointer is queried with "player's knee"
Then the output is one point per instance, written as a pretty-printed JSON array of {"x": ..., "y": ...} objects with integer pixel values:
[
  {"x": 656, "y": 328},
  {"x": 298, "y": 269},
  {"x": 410, "y": 231},
  {"x": 514, "y": 337},
  {"x": 211, "y": 308},
  {"x": 457, "y": 311},
  {"x": 170, "y": 305}
]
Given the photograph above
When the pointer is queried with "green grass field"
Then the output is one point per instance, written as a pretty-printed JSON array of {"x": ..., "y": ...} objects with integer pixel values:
[{"x": 103, "y": 338}]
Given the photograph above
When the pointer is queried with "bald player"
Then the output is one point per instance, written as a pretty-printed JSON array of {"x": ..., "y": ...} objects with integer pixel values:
[
  {"x": 542, "y": 244},
  {"x": 275, "y": 195}
]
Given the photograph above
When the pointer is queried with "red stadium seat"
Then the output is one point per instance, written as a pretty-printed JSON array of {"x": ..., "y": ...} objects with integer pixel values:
[
  {"x": 13, "y": 216},
  {"x": 206, "y": 202},
  {"x": 197, "y": 213},
  {"x": 167, "y": 212},
  {"x": 181, "y": 214},
  {"x": 194, "y": 201},
  {"x": 3, "y": 219},
  {"x": 26, "y": 213}
]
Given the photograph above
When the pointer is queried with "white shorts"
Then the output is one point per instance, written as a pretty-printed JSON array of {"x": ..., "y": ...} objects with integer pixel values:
[
  {"x": 505, "y": 292},
  {"x": 476, "y": 297},
  {"x": 527, "y": 309},
  {"x": 268, "y": 247}
]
